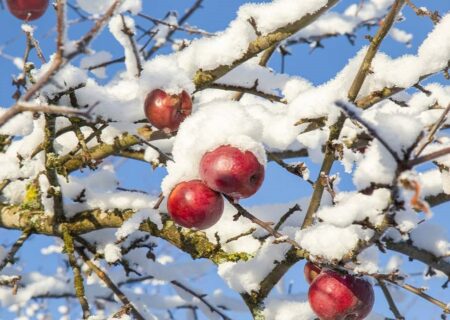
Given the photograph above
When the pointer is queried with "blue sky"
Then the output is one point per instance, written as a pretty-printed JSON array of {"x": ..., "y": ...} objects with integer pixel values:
[{"x": 318, "y": 67}]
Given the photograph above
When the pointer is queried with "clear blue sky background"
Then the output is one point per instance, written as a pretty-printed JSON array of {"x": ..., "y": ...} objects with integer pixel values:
[{"x": 279, "y": 186}]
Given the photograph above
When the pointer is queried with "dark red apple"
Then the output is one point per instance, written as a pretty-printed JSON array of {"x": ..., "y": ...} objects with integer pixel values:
[
  {"x": 311, "y": 271},
  {"x": 166, "y": 111},
  {"x": 231, "y": 171},
  {"x": 27, "y": 9},
  {"x": 193, "y": 205},
  {"x": 335, "y": 296}
]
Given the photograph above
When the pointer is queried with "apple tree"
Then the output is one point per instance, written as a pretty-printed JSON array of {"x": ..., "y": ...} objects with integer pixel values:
[{"x": 210, "y": 119}]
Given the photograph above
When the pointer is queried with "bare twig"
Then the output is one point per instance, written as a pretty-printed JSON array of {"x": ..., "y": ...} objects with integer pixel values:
[
  {"x": 176, "y": 26},
  {"x": 422, "y": 294},
  {"x": 434, "y": 16},
  {"x": 16, "y": 246},
  {"x": 251, "y": 90},
  {"x": 429, "y": 157},
  {"x": 109, "y": 283},
  {"x": 201, "y": 297},
  {"x": 182, "y": 20},
  {"x": 265, "y": 225},
  {"x": 390, "y": 300}
]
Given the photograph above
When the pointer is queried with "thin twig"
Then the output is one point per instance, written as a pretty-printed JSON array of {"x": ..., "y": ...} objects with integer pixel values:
[
  {"x": 390, "y": 300},
  {"x": 434, "y": 16},
  {"x": 296, "y": 169},
  {"x": 433, "y": 131},
  {"x": 265, "y": 225},
  {"x": 251, "y": 90},
  {"x": 422, "y": 294},
  {"x": 109, "y": 283},
  {"x": 201, "y": 297},
  {"x": 353, "y": 115},
  {"x": 16, "y": 246},
  {"x": 182, "y": 20},
  {"x": 176, "y": 26},
  {"x": 429, "y": 157}
]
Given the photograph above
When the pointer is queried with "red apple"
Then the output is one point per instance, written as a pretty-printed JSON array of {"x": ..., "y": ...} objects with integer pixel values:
[
  {"x": 27, "y": 9},
  {"x": 166, "y": 111},
  {"x": 193, "y": 205},
  {"x": 334, "y": 296},
  {"x": 311, "y": 271},
  {"x": 231, "y": 171}
]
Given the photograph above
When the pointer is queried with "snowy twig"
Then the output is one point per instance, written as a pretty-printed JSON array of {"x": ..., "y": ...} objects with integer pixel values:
[
  {"x": 265, "y": 57},
  {"x": 45, "y": 108},
  {"x": 203, "y": 78},
  {"x": 379, "y": 95},
  {"x": 390, "y": 300},
  {"x": 130, "y": 34},
  {"x": 336, "y": 128},
  {"x": 353, "y": 115},
  {"x": 373, "y": 49},
  {"x": 295, "y": 169},
  {"x": 59, "y": 60},
  {"x": 109, "y": 283}
]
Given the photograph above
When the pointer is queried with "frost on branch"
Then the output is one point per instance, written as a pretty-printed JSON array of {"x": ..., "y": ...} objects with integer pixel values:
[{"x": 370, "y": 147}]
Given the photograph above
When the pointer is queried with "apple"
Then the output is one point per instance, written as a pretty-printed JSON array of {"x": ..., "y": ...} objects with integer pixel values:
[
  {"x": 27, "y": 9},
  {"x": 231, "y": 171},
  {"x": 166, "y": 111},
  {"x": 311, "y": 271},
  {"x": 192, "y": 204},
  {"x": 335, "y": 296}
]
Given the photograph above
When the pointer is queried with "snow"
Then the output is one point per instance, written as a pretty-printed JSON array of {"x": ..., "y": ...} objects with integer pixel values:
[
  {"x": 245, "y": 276},
  {"x": 112, "y": 253},
  {"x": 348, "y": 208},
  {"x": 253, "y": 124},
  {"x": 288, "y": 309},
  {"x": 99, "y": 7},
  {"x": 336, "y": 244}
]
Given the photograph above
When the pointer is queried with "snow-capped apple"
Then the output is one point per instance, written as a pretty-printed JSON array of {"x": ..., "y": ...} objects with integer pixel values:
[
  {"x": 192, "y": 204},
  {"x": 231, "y": 171},
  {"x": 166, "y": 111},
  {"x": 27, "y": 9},
  {"x": 335, "y": 296},
  {"x": 311, "y": 271}
]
